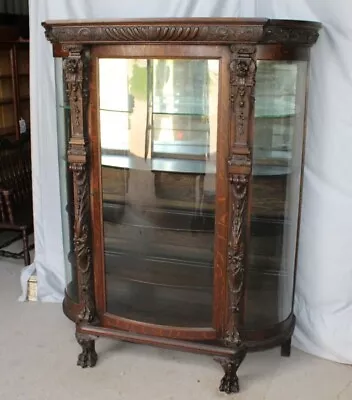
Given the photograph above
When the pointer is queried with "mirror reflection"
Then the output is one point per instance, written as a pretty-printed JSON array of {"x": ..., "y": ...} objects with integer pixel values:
[{"x": 158, "y": 133}]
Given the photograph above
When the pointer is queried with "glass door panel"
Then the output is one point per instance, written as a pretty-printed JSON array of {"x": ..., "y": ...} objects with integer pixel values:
[
  {"x": 158, "y": 130},
  {"x": 276, "y": 174}
]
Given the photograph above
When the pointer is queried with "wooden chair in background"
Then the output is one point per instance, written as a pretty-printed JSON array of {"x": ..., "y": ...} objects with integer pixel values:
[{"x": 16, "y": 211}]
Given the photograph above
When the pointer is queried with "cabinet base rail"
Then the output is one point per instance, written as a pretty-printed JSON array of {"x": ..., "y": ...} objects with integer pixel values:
[{"x": 229, "y": 357}]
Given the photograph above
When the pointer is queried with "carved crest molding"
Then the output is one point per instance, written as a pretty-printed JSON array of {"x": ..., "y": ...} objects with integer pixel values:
[{"x": 191, "y": 30}]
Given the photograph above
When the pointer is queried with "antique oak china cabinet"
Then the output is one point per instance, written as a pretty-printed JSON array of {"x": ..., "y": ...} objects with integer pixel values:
[{"x": 185, "y": 143}]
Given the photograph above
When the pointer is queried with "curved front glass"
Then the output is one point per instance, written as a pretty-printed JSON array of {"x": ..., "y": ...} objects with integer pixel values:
[
  {"x": 158, "y": 132},
  {"x": 276, "y": 175}
]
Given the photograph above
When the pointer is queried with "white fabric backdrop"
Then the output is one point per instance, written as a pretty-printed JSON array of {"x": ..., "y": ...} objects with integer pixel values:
[
  {"x": 323, "y": 303},
  {"x": 324, "y": 280}
]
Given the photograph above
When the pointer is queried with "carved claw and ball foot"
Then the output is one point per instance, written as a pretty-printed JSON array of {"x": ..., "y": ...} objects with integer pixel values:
[
  {"x": 229, "y": 383},
  {"x": 88, "y": 357},
  {"x": 286, "y": 348}
]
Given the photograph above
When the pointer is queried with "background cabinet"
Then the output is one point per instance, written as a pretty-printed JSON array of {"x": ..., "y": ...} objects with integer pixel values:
[
  {"x": 14, "y": 83},
  {"x": 185, "y": 164}
]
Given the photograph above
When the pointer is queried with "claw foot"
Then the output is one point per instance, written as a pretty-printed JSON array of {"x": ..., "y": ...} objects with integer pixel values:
[
  {"x": 88, "y": 357},
  {"x": 229, "y": 383}
]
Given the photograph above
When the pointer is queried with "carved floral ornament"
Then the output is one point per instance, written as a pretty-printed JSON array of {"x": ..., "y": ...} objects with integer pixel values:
[{"x": 187, "y": 30}]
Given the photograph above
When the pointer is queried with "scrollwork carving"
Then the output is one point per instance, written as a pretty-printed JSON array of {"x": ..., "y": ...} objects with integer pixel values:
[
  {"x": 289, "y": 35},
  {"x": 211, "y": 31},
  {"x": 242, "y": 81},
  {"x": 75, "y": 79},
  {"x": 73, "y": 72},
  {"x": 174, "y": 32},
  {"x": 82, "y": 242},
  {"x": 236, "y": 254}
]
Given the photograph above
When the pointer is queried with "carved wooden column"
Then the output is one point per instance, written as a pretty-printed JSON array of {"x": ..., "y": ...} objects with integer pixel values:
[
  {"x": 75, "y": 73},
  {"x": 242, "y": 81},
  {"x": 74, "y": 69}
]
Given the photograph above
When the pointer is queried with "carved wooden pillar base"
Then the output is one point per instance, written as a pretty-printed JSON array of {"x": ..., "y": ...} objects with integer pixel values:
[
  {"x": 286, "y": 348},
  {"x": 229, "y": 383},
  {"x": 88, "y": 357}
]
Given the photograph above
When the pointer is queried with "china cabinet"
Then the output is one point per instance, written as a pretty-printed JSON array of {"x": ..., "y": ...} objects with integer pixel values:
[{"x": 184, "y": 142}]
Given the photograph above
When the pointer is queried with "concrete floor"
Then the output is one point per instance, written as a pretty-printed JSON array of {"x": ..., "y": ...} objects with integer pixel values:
[{"x": 38, "y": 357}]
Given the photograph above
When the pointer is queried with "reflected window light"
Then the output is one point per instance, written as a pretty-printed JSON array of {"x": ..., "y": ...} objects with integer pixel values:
[{"x": 175, "y": 94}]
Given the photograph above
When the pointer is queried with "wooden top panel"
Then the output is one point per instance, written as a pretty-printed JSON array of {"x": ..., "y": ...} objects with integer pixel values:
[{"x": 183, "y": 30}]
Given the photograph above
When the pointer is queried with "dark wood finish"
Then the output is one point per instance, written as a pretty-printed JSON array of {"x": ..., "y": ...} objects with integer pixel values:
[
  {"x": 286, "y": 348},
  {"x": 16, "y": 194},
  {"x": 229, "y": 383},
  {"x": 13, "y": 44},
  {"x": 237, "y": 44},
  {"x": 192, "y": 30},
  {"x": 143, "y": 328},
  {"x": 255, "y": 341},
  {"x": 282, "y": 52},
  {"x": 152, "y": 51},
  {"x": 70, "y": 308},
  {"x": 88, "y": 357},
  {"x": 76, "y": 86},
  {"x": 195, "y": 347}
]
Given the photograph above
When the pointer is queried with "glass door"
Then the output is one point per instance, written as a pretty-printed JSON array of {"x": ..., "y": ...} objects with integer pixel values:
[{"x": 158, "y": 144}]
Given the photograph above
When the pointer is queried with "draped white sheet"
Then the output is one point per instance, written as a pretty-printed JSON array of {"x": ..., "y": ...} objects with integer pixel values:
[{"x": 323, "y": 303}]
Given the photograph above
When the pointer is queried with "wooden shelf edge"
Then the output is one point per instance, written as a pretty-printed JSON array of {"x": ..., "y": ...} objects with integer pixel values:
[{"x": 11, "y": 130}]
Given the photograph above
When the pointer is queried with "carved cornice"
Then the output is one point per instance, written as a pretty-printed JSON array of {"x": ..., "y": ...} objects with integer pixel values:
[
  {"x": 207, "y": 31},
  {"x": 153, "y": 33},
  {"x": 289, "y": 35}
]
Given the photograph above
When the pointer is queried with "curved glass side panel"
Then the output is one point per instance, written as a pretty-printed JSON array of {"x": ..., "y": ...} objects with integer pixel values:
[
  {"x": 276, "y": 175},
  {"x": 67, "y": 211},
  {"x": 158, "y": 130}
]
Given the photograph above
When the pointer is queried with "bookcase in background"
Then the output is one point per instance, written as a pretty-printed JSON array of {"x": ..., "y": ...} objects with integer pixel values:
[{"x": 14, "y": 83}]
